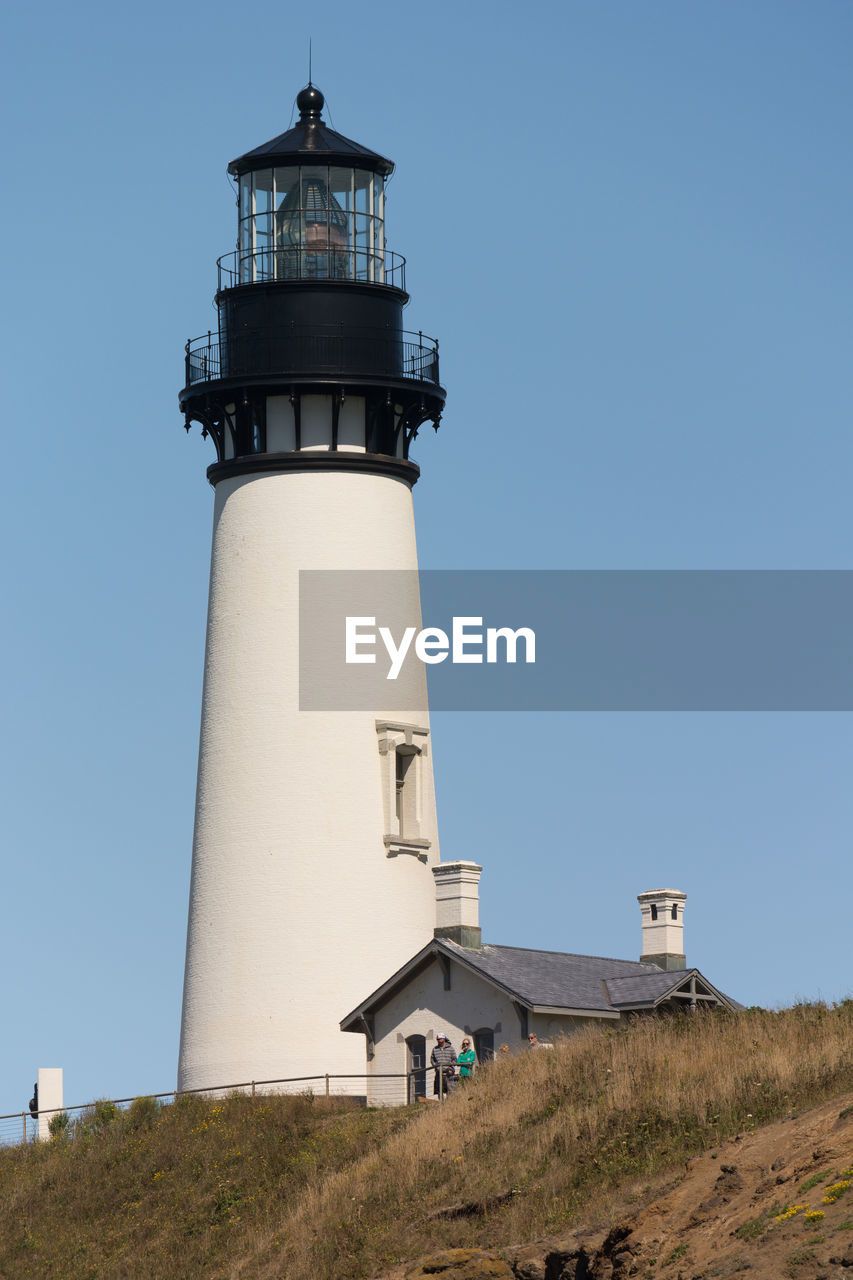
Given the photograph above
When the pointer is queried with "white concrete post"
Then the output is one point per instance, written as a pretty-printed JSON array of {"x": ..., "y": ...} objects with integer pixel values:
[{"x": 50, "y": 1099}]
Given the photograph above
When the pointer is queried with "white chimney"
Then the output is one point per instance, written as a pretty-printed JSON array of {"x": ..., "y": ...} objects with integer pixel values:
[
  {"x": 663, "y": 928},
  {"x": 457, "y": 903}
]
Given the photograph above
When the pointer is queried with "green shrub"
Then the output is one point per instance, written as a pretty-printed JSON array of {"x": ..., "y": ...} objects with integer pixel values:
[
  {"x": 812, "y": 1181},
  {"x": 96, "y": 1118},
  {"x": 59, "y": 1125},
  {"x": 143, "y": 1113},
  {"x": 754, "y": 1228}
]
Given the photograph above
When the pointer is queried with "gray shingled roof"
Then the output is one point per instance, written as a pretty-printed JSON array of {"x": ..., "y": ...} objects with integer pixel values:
[
  {"x": 550, "y": 979},
  {"x": 646, "y": 987},
  {"x": 568, "y": 981}
]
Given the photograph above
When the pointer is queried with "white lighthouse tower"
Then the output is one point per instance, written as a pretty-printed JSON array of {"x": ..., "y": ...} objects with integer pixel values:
[{"x": 315, "y": 831}]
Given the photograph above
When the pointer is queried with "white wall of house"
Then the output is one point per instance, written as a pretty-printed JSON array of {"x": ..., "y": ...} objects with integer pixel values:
[{"x": 424, "y": 1007}]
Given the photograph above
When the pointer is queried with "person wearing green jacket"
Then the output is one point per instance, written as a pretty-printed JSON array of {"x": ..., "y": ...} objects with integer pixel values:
[{"x": 466, "y": 1061}]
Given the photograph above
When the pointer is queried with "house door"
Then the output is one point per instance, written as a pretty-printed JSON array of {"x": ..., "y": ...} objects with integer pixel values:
[
  {"x": 416, "y": 1063},
  {"x": 484, "y": 1044}
]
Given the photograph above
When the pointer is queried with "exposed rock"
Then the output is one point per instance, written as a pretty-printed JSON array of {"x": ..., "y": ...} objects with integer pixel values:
[
  {"x": 567, "y": 1263},
  {"x": 618, "y": 1240},
  {"x": 472, "y": 1208},
  {"x": 529, "y": 1263},
  {"x": 461, "y": 1264},
  {"x": 622, "y": 1261},
  {"x": 552, "y": 1260},
  {"x": 599, "y": 1269},
  {"x": 728, "y": 1182}
]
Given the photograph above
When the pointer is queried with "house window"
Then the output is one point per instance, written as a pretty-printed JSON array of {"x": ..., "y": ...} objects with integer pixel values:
[
  {"x": 654, "y": 912},
  {"x": 484, "y": 1044}
]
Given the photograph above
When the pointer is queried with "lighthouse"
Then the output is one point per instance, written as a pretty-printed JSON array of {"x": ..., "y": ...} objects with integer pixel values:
[{"x": 315, "y": 831}]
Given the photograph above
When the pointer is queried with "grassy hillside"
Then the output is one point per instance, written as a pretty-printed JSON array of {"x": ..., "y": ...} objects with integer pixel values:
[{"x": 275, "y": 1188}]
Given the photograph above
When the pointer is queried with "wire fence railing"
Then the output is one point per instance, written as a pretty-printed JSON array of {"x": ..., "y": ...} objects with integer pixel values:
[{"x": 382, "y": 1089}]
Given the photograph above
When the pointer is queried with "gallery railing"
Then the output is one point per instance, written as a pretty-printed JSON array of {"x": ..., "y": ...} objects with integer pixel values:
[
  {"x": 311, "y": 262},
  {"x": 334, "y": 350}
]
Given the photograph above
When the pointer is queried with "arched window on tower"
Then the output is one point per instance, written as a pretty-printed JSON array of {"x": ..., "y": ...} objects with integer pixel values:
[
  {"x": 406, "y": 801},
  {"x": 654, "y": 912},
  {"x": 675, "y": 911}
]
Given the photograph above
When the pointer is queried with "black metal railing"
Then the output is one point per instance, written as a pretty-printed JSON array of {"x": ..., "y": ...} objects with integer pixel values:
[
  {"x": 260, "y": 266},
  {"x": 202, "y": 359},
  {"x": 313, "y": 350}
]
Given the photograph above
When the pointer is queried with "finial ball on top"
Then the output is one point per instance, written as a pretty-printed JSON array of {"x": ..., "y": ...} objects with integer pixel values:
[{"x": 310, "y": 102}]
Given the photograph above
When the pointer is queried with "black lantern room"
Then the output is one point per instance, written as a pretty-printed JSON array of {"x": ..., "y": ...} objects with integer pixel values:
[{"x": 310, "y": 366}]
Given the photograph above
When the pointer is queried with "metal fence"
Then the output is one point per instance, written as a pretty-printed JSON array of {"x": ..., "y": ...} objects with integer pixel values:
[{"x": 380, "y": 1090}]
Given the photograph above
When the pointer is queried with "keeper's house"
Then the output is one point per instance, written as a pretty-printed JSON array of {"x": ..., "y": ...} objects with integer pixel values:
[{"x": 498, "y": 995}]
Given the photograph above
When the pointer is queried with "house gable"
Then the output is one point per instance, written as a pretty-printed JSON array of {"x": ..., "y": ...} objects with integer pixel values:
[{"x": 503, "y": 993}]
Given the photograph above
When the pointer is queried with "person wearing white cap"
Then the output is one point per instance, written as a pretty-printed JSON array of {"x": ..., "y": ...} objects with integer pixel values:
[{"x": 443, "y": 1058}]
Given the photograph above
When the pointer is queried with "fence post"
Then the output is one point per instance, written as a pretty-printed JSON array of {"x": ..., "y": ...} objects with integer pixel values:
[
  {"x": 24, "y": 1125},
  {"x": 253, "y": 1088},
  {"x": 327, "y": 1084}
]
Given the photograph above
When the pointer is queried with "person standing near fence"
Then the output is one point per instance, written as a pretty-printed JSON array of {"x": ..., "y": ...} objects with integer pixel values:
[
  {"x": 466, "y": 1061},
  {"x": 443, "y": 1058}
]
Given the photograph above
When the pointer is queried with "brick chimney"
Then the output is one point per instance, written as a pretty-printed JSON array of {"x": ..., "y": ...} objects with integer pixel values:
[
  {"x": 457, "y": 903},
  {"x": 663, "y": 928}
]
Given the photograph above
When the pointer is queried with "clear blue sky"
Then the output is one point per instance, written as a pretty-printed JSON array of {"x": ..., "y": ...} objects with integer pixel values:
[{"x": 629, "y": 225}]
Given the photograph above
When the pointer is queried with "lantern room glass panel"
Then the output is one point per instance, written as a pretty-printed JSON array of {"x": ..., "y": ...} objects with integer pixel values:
[
  {"x": 379, "y": 227},
  {"x": 245, "y": 242},
  {"x": 311, "y": 222},
  {"x": 289, "y": 229},
  {"x": 263, "y": 189},
  {"x": 320, "y": 225},
  {"x": 362, "y": 225},
  {"x": 340, "y": 222}
]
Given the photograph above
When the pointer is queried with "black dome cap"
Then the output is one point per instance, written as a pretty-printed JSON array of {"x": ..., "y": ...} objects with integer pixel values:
[{"x": 311, "y": 140}]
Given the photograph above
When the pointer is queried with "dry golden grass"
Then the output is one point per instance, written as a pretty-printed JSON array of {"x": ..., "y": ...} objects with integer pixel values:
[
  {"x": 170, "y": 1193},
  {"x": 562, "y": 1130},
  {"x": 286, "y": 1189}
]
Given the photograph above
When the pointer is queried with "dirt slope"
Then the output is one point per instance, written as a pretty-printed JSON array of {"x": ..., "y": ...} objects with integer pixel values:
[{"x": 719, "y": 1219}]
